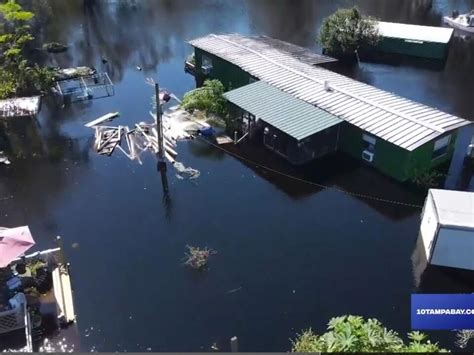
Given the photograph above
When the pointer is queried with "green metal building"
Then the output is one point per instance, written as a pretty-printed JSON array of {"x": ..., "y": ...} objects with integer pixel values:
[
  {"x": 303, "y": 105},
  {"x": 413, "y": 40}
]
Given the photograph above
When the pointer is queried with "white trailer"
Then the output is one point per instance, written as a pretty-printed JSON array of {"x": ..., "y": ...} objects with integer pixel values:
[{"x": 447, "y": 228}]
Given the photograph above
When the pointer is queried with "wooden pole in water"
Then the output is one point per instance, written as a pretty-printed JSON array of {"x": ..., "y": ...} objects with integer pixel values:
[
  {"x": 60, "y": 244},
  {"x": 159, "y": 129}
]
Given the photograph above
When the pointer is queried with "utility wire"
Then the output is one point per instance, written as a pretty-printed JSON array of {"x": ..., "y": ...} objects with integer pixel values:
[{"x": 355, "y": 194}]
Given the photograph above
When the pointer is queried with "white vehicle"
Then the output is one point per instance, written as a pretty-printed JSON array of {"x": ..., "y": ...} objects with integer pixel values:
[{"x": 463, "y": 22}]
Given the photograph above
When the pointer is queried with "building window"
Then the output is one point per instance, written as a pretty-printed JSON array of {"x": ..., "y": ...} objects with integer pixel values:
[
  {"x": 369, "y": 142},
  {"x": 206, "y": 65},
  {"x": 441, "y": 147},
  {"x": 206, "y": 61}
]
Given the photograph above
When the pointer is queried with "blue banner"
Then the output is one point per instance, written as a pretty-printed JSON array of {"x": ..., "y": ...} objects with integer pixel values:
[{"x": 442, "y": 312}]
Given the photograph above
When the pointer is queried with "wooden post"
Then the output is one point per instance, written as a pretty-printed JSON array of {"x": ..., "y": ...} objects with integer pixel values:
[
  {"x": 234, "y": 344},
  {"x": 159, "y": 129},
  {"x": 60, "y": 244}
]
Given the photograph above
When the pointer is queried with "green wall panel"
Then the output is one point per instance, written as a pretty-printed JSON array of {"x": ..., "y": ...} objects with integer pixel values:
[
  {"x": 425, "y": 49},
  {"x": 231, "y": 76}
]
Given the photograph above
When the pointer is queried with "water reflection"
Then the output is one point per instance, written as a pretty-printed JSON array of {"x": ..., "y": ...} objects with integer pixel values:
[
  {"x": 336, "y": 171},
  {"x": 167, "y": 202},
  {"x": 436, "y": 279},
  {"x": 114, "y": 31},
  {"x": 96, "y": 201}
]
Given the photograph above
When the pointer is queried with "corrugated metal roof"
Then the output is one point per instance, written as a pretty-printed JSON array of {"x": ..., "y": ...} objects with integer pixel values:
[
  {"x": 397, "y": 120},
  {"x": 300, "y": 53},
  {"x": 415, "y": 32},
  {"x": 454, "y": 208},
  {"x": 19, "y": 107},
  {"x": 295, "y": 117}
]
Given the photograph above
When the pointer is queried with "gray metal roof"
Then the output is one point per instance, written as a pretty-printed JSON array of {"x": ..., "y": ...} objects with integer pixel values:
[
  {"x": 454, "y": 208},
  {"x": 295, "y": 117},
  {"x": 303, "y": 54},
  {"x": 415, "y": 32},
  {"x": 397, "y": 120}
]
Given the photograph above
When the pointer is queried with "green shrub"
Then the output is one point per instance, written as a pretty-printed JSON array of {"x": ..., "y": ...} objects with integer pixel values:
[
  {"x": 208, "y": 98},
  {"x": 355, "y": 334},
  {"x": 346, "y": 31}
]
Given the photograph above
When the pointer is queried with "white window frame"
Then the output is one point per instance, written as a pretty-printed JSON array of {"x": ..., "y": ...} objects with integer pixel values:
[
  {"x": 369, "y": 139},
  {"x": 440, "y": 144}
]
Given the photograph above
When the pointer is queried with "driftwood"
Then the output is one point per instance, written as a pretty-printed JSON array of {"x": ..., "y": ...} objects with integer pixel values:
[
  {"x": 107, "y": 139},
  {"x": 105, "y": 118}
]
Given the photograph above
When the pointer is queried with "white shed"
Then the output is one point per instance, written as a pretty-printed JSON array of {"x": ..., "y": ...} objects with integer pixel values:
[{"x": 447, "y": 228}]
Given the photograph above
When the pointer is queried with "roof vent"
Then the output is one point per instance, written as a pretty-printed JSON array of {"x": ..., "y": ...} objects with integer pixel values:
[{"x": 326, "y": 85}]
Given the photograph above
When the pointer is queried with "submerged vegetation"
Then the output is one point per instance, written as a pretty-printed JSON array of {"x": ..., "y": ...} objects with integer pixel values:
[
  {"x": 18, "y": 77},
  {"x": 208, "y": 98},
  {"x": 347, "y": 30},
  {"x": 427, "y": 180},
  {"x": 355, "y": 334},
  {"x": 54, "y": 47}
]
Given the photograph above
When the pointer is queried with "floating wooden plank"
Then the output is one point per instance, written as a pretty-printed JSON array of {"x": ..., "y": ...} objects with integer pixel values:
[
  {"x": 224, "y": 140},
  {"x": 170, "y": 141},
  {"x": 170, "y": 151},
  {"x": 104, "y": 118},
  {"x": 169, "y": 157},
  {"x": 63, "y": 293}
]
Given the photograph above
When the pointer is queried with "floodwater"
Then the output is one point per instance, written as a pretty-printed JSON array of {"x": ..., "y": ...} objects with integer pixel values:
[{"x": 295, "y": 254}]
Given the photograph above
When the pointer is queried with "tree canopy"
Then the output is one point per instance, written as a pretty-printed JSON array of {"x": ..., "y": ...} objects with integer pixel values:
[
  {"x": 355, "y": 334},
  {"x": 17, "y": 76},
  {"x": 346, "y": 31}
]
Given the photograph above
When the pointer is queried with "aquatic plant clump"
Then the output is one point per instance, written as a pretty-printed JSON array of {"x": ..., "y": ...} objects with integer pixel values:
[
  {"x": 55, "y": 47},
  {"x": 356, "y": 334},
  {"x": 197, "y": 258},
  {"x": 463, "y": 337}
]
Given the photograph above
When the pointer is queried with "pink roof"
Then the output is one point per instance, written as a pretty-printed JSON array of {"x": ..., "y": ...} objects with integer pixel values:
[{"x": 13, "y": 243}]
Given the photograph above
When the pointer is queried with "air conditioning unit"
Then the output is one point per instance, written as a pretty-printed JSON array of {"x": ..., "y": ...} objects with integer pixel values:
[
  {"x": 206, "y": 69},
  {"x": 368, "y": 156}
]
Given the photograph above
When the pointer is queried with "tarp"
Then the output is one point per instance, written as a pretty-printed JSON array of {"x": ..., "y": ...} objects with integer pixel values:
[{"x": 13, "y": 243}]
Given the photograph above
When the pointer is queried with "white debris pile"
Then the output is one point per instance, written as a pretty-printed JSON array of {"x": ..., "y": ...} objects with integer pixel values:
[
  {"x": 179, "y": 124},
  {"x": 185, "y": 173},
  {"x": 144, "y": 137},
  {"x": 4, "y": 158},
  {"x": 132, "y": 142}
]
